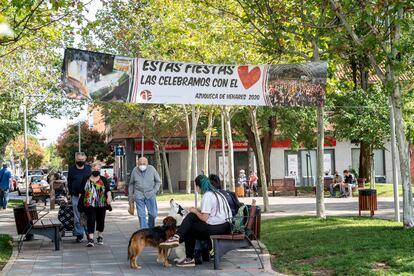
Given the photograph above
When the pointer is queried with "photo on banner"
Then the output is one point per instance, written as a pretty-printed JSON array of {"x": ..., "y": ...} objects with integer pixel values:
[
  {"x": 97, "y": 76},
  {"x": 105, "y": 77},
  {"x": 296, "y": 84}
]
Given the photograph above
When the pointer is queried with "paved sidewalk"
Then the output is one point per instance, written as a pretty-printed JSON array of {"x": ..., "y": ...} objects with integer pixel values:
[{"x": 39, "y": 258}]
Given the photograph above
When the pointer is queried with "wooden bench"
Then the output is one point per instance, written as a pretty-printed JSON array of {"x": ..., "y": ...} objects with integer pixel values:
[
  {"x": 47, "y": 227},
  {"x": 39, "y": 194},
  {"x": 182, "y": 185},
  {"x": 327, "y": 183},
  {"x": 225, "y": 243},
  {"x": 283, "y": 185}
]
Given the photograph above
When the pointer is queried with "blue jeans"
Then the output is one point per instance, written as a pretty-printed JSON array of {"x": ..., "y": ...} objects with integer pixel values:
[
  {"x": 151, "y": 204},
  {"x": 4, "y": 198},
  {"x": 78, "y": 230}
]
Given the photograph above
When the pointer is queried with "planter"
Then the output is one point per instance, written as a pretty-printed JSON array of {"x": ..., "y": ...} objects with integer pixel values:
[{"x": 367, "y": 199}]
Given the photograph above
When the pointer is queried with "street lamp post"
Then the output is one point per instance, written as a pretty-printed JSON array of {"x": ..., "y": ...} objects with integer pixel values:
[{"x": 25, "y": 149}]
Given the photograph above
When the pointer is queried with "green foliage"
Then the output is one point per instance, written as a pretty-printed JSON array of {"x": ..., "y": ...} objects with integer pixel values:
[
  {"x": 52, "y": 159},
  {"x": 92, "y": 144},
  {"x": 35, "y": 153},
  {"x": 31, "y": 62},
  {"x": 338, "y": 246},
  {"x": 6, "y": 249},
  {"x": 361, "y": 116}
]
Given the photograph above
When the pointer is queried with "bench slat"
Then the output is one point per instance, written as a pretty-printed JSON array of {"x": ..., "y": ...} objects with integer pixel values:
[
  {"x": 228, "y": 237},
  {"x": 46, "y": 223}
]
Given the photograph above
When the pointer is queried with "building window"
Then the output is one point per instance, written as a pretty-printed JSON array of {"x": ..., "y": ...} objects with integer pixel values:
[{"x": 302, "y": 165}]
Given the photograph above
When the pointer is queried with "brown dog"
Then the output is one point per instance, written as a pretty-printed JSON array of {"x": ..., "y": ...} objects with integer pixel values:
[{"x": 151, "y": 237}]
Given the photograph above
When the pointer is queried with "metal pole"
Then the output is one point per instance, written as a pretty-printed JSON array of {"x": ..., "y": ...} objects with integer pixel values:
[
  {"x": 79, "y": 136},
  {"x": 142, "y": 145},
  {"x": 394, "y": 163},
  {"x": 25, "y": 149},
  {"x": 194, "y": 142},
  {"x": 223, "y": 151}
]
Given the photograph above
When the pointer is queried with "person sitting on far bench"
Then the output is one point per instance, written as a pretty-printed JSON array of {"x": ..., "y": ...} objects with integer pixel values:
[
  {"x": 336, "y": 181},
  {"x": 349, "y": 182}
]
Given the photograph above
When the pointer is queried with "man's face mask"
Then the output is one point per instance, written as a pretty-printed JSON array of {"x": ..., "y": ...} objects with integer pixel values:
[
  {"x": 142, "y": 167},
  {"x": 80, "y": 163}
]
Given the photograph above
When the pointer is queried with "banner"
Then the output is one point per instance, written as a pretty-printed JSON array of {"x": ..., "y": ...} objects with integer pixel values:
[{"x": 111, "y": 78}]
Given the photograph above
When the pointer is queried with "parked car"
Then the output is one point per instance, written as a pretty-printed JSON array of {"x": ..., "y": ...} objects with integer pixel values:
[
  {"x": 32, "y": 172},
  {"x": 33, "y": 179}
]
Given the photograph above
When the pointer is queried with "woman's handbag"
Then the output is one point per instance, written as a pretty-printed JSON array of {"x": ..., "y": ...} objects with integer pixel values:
[{"x": 131, "y": 208}]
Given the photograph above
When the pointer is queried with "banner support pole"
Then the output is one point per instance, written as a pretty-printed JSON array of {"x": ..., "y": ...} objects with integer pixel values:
[
  {"x": 194, "y": 142},
  {"x": 223, "y": 152}
]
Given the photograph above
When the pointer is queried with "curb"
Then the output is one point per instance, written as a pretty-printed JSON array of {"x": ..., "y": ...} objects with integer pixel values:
[
  {"x": 11, "y": 260},
  {"x": 266, "y": 260}
]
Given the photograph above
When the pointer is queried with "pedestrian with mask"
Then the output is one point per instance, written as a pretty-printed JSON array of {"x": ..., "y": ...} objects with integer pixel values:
[
  {"x": 96, "y": 199},
  {"x": 142, "y": 189},
  {"x": 5, "y": 184},
  {"x": 76, "y": 174}
]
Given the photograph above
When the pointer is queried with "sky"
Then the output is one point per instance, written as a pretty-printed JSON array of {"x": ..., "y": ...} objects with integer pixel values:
[{"x": 52, "y": 127}]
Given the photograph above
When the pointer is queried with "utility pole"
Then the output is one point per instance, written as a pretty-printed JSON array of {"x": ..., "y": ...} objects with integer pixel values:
[{"x": 79, "y": 136}]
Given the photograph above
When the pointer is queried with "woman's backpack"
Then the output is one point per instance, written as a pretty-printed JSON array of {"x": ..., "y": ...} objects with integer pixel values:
[{"x": 240, "y": 220}]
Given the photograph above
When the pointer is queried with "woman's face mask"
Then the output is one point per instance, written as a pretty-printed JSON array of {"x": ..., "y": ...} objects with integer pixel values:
[{"x": 96, "y": 173}]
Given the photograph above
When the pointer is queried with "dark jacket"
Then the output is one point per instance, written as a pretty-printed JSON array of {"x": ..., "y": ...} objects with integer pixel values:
[{"x": 75, "y": 178}]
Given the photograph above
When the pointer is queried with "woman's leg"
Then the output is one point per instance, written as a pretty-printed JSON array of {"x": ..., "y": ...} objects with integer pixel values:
[
  {"x": 100, "y": 220},
  {"x": 91, "y": 215}
]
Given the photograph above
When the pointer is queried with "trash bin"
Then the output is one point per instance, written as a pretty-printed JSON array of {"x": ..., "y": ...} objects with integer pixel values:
[
  {"x": 21, "y": 219},
  {"x": 367, "y": 199}
]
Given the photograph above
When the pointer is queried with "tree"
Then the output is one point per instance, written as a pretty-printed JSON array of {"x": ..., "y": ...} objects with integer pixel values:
[
  {"x": 156, "y": 122},
  {"x": 92, "y": 144},
  {"x": 35, "y": 153},
  {"x": 29, "y": 67},
  {"x": 52, "y": 159},
  {"x": 387, "y": 42},
  {"x": 361, "y": 117}
]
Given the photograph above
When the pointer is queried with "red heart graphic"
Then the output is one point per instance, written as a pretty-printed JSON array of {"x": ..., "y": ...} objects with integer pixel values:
[{"x": 247, "y": 78}]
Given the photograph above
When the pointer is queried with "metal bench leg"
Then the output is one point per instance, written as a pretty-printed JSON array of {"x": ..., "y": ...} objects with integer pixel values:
[
  {"x": 217, "y": 254},
  {"x": 57, "y": 239}
]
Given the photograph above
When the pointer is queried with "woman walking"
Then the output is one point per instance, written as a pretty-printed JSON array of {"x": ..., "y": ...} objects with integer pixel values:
[{"x": 96, "y": 197}]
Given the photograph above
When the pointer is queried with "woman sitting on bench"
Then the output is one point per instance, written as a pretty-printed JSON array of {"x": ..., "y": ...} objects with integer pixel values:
[{"x": 212, "y": 219}]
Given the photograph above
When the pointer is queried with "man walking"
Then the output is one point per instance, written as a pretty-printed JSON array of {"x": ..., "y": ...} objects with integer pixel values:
[
  {"x": 5, "y": 184},
  {"x": 76, "y": 174},
  {"x": 142, "y": 188}
]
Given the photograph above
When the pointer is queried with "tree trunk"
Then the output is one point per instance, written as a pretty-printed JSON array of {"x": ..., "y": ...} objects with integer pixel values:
[
  {"x": 230, "y": 149},
  {"x": 189, "y": 152},
  {"x": 207, "y": 144},
  {"x": 260, "y": 160},
  {"x": 167, "y": 169},
  {"x": 266, "y": 143},
  {"x": 364, "y": 170},
  {"x": 396, "y": 105},
  {"x": 320, "y": 205},
  {"x": 159, "y": 165}
]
